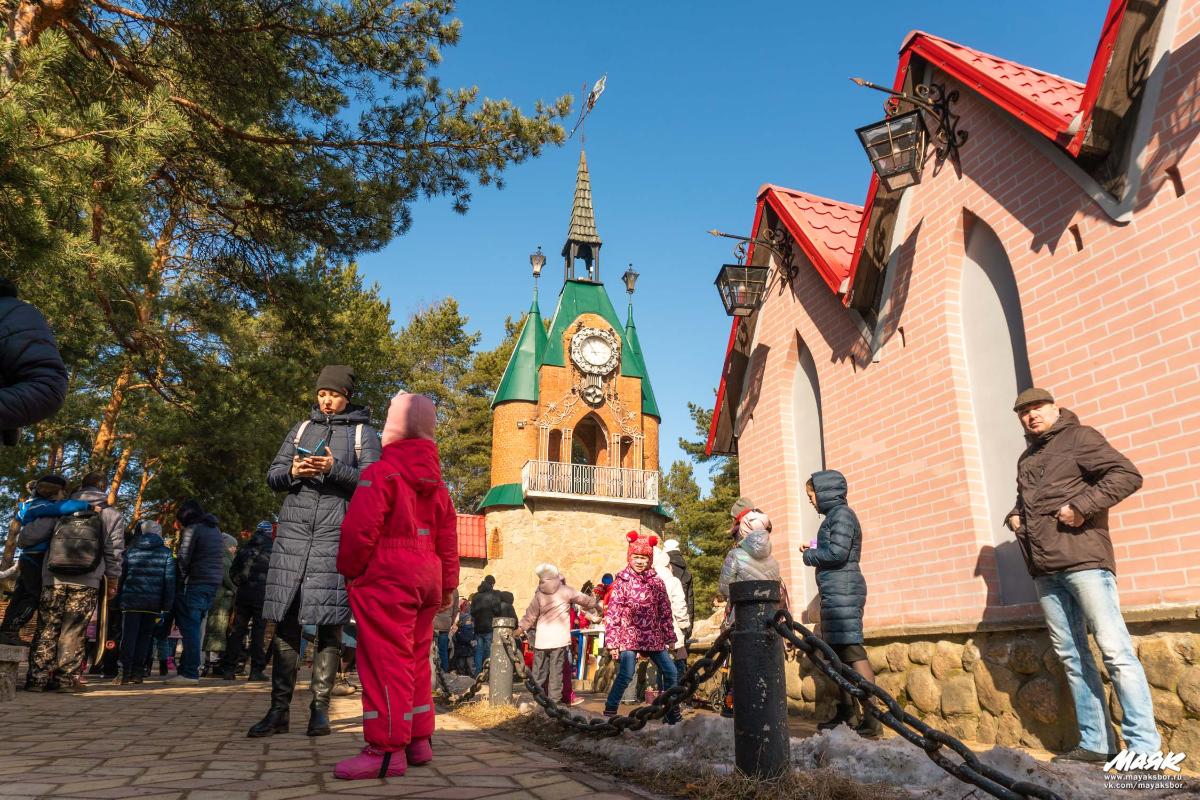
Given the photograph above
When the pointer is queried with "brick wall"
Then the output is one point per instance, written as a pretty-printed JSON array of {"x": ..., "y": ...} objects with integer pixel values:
[{"x": 1113, "y": 328}]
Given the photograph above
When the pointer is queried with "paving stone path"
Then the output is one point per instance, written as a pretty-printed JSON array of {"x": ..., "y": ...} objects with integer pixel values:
[{"x": 156, "y": 742}]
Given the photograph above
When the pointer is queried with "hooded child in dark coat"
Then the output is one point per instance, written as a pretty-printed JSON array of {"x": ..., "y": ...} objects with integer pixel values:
[{"x": 147, "y": 592}]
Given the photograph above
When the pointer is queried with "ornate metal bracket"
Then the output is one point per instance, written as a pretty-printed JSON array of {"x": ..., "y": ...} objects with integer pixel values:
[
  {"x": 772, "y": 239},
  {"x": 935, "y": 101}
]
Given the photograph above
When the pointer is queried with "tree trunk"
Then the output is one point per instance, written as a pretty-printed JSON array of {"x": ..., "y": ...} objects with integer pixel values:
[
  {"x": 122, "y": 464},
  {"x": 106, "y": 435},
  {"x": 147, "y": 476},
  {"x": 24, "y": 23}
]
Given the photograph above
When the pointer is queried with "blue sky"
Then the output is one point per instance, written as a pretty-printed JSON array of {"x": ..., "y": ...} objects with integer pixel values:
[{"x": 705, "y": 102}]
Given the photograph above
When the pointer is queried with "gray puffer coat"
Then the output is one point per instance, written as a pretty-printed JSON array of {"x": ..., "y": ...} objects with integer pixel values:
[
  {"x": 839, "y": 545},
  {"x": 304, "y": 557}
]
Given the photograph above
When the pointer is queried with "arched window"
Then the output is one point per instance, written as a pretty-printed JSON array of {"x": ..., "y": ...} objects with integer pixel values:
[
  {"x": 998, "y": 368},
  {"x": 810, "y": 449}
]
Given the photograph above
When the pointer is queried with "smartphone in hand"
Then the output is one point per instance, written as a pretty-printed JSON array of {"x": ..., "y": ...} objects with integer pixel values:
[{"x": 319, "y": 450}]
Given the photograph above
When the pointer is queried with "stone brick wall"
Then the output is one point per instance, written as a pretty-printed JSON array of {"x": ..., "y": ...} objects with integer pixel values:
[
  {"x": 584, "y": 540},
  {"x": 1008, "y": 687}
]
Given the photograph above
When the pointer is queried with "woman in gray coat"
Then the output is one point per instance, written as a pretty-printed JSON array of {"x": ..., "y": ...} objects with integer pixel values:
[
  {"x": 842, "y": 586},
  {"x": 318, "y": 466}
]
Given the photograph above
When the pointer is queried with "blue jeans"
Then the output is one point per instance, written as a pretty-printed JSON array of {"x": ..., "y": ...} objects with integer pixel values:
[
  {"x": 483, "y": 649},
  {"x": 1074, "y": 602},
  {"x": 443, "y": 648},
  {"x": 627, "y": 665},
  {"x": 191, "y": 608}
]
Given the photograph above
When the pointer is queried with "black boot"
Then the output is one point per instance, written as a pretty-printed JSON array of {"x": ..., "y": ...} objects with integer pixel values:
[
  {"x": 324, "y": 672},
  {"x": 162, "y": 666},
  {"x": 870, "y": 727},
  {"x": 283, "y": 684},
  {"x": 843, "y": 714}
]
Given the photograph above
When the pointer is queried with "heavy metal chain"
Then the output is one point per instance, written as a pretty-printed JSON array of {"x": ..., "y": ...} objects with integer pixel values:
[
  {"x": 665, "y": 704},
  {"x": 448, "y": 696},
  {"x": 969, "y": 770}
]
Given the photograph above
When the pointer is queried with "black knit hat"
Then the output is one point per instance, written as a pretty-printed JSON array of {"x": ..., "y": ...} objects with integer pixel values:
[
  {"x": 337, "y": 377},
  {"x": 57, "y": 480},
  {"x": 191, "y": 511}
]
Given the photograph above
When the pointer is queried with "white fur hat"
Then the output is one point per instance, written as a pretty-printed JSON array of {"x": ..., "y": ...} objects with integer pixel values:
[
  {"x": 671, "y": 545},
  {"x": 546, "y": 571}
]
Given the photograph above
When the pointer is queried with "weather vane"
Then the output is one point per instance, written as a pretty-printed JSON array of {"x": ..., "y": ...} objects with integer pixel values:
[{"x": 588, "y": 105}]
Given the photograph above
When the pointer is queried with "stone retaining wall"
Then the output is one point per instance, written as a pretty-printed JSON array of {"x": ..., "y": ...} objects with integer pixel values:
[
  {"x": 10, "y": 658},
  {"x": 1008, "y": 687}
]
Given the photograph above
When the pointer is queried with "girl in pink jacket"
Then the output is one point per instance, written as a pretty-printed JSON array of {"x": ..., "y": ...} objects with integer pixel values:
[
  {"x": 638, "y": 619},
  {"x": 550, "y": 612}
]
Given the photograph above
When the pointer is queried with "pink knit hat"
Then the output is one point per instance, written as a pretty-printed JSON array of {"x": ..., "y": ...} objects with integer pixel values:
[{"x": 410, "y": 416}]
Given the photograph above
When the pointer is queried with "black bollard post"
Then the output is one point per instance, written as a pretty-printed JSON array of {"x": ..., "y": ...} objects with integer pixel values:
[
  {"x": 759, "y": 688},
  {"x": 500, "y": 675}
]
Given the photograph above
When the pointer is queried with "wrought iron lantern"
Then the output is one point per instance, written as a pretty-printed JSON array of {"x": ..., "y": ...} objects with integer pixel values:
[
  {"x": 630, "y": 277},
  {"x": 537, "y": 261},
  {"x": 896, "y": 147},
  {"x": 742, "y": 288},
  {"x": 896, "y": 144}
]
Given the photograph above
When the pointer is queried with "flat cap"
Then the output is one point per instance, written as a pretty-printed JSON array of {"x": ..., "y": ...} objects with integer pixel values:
[{"x": 1032, "y": 396}]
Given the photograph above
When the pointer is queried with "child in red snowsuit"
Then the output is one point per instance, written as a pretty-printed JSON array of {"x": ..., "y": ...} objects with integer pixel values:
[{"x": 399, "y": 555}]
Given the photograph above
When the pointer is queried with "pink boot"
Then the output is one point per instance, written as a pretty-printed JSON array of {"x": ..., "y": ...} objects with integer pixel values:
[
  {"x": 419, "y": 752},
  {"x": 371, "y": 763}
]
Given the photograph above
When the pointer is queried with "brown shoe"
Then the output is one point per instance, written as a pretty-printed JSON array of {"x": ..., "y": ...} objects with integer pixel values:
[{"x": 72, "y": 686}]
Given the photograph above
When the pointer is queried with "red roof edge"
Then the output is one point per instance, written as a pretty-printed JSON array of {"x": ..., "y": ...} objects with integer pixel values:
[
  {"x": 733, "y": 329},
  {"x": 827, "y": 272},
  {"x": 1095, "y": 79},
  {"x": 1023, "y": 108}
]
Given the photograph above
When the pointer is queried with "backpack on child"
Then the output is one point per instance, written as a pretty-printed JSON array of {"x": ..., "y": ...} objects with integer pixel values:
[{"x": 77, "y": 544}]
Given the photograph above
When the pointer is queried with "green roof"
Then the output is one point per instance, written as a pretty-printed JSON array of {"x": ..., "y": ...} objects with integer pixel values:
[
  {"x": 634, "y": 348},
  {"x": 506, "y": 494},
  {"x": 520, "y": 381},
  {"x": 585, "y": 297}
]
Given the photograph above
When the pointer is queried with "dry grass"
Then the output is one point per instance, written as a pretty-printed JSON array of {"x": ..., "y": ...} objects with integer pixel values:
[{"x": 696, "y": 783}]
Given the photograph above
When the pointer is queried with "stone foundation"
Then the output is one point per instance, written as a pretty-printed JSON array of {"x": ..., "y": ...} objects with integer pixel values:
[
  {"x": 10, "y": 658},
  {"x": 1007, "y": 686},
  {"x": 584, "y": 540}
]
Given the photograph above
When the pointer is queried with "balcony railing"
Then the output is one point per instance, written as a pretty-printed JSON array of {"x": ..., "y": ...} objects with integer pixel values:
[{"x": 587, "y": 482}]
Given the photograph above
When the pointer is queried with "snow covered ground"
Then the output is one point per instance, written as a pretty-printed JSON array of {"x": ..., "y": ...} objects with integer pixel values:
[{"x": 707, "y": 739}]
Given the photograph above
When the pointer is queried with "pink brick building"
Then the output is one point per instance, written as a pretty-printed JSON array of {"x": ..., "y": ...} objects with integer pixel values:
[{"x": 1066, "y": 254}]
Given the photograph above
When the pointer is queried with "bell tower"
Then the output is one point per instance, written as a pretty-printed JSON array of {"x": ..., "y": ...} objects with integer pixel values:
[
  {"x": 575, "y": 429},
  {"x": 583, "y": 240}
]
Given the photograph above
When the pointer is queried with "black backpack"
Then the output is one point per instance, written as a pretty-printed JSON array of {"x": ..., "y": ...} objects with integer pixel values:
[{"x": 77, "y": 544}]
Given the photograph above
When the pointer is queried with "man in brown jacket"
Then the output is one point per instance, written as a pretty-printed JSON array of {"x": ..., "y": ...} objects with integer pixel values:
[{"x": 1067, "y": 479}]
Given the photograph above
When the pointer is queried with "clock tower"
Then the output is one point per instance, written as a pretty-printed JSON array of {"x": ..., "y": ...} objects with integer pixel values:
[{"x": 574, "y": 433}]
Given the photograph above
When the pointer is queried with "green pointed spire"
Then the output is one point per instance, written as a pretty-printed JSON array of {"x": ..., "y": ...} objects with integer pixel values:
[
  {"x": 520, "y": 381},
  {"x": 633, "y": 349}
]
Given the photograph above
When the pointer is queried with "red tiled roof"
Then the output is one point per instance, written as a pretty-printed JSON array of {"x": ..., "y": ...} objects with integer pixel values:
[
  {"x": 472, "y": 536},
  {"x": 824, "y": 229},
  {"x": 1048, "y": 102}
]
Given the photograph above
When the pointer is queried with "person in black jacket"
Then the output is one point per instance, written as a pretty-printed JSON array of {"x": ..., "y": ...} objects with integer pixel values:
[
  {"x": 33, "y": 380},
  {"x": 249, "y": 575},
  {"x": 202, "y": 568},
  {"x": 483, "y": 608},
  {"x": 147, "y": 591},
  {"x": 318, "y": 466}
]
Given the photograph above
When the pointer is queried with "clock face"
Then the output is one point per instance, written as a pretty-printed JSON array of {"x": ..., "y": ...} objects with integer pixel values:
[{"x": 595, "y": 351}]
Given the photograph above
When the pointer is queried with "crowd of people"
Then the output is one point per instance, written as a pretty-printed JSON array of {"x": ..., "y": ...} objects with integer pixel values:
[{"x": 363, "y": 562}]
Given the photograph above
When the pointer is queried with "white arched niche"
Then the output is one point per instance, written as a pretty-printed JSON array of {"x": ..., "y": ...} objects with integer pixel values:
[
  {"x": 810, "y": 454},
  {"x": 997, "y": 368}
]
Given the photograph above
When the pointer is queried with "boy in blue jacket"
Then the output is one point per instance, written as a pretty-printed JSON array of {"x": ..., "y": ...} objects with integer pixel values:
[
  {"x": 37, "y": 518},
  {"x": 146, "y": 592}
]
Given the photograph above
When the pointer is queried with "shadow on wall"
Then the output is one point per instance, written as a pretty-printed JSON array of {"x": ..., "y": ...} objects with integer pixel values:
[
  {"x": 1007, "y": 555},
  {"x": 1179, "y": 127},
  {"x": 897, "y": 297}
]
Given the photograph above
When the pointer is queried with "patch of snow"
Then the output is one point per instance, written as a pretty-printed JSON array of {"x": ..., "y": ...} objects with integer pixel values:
[{"x": 707, "y": 740}]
